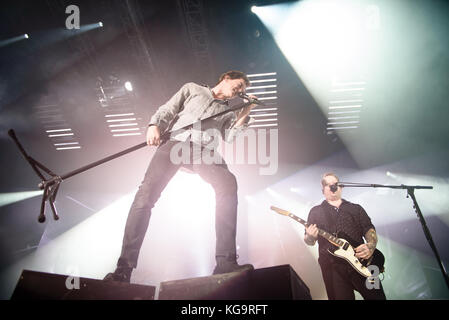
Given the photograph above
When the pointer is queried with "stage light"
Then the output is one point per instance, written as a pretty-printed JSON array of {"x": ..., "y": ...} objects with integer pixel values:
[
  {"x": 12, "y": 197},
  {"x": 9, "y": 41},
  {"x": 128, "y": 86},
  {"x": 254, "y": 9},
  {"x": 100, "y": 24}
]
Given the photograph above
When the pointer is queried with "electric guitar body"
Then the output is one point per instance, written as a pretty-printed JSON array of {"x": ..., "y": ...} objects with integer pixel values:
[{"x": 344, "y": 249}]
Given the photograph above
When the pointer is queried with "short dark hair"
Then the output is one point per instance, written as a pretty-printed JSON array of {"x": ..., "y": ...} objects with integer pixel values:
[{"x": 233, "y": 74}]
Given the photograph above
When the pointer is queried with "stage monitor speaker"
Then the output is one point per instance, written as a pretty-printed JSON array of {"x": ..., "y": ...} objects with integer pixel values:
[
  {"x": 34, "y": 285},
  {"x": 274, "y": 283}
]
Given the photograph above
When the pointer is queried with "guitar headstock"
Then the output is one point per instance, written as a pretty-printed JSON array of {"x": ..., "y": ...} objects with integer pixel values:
[{"x": 280, "y": 211}]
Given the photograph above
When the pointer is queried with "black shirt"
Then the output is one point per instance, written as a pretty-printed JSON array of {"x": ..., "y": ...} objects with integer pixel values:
[{"x": 350, "y": 222}]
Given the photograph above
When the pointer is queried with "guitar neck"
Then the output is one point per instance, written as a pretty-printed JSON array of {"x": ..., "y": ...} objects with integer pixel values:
[{"x": 322, "y": 233}]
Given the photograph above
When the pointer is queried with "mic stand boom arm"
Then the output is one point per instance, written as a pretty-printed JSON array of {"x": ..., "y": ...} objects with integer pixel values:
[
  {"x": 51, "y": 185},
  {"x": 411, "y": 194}
]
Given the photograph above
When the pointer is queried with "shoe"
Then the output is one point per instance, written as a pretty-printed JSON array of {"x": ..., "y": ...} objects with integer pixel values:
[
  {"x": 235, "y": 267},
  {"x": 120, "y": 274},
  {"x": 229, "y": 264}
]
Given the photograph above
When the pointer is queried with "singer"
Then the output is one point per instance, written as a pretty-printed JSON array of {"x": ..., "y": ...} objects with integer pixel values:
[
  {"x": 191, "y": 103},
  {"x": 349, "y": 221}
]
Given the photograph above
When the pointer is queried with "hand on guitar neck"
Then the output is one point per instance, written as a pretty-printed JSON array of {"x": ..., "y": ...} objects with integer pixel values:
[{"x": 311, "y": 234}]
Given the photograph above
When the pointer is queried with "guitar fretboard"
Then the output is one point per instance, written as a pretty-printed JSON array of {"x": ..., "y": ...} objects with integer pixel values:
[{"x": 322, "y": 233}]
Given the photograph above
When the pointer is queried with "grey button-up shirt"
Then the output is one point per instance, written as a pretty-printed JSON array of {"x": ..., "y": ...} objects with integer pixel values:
[{"x": 190, "y": 104}]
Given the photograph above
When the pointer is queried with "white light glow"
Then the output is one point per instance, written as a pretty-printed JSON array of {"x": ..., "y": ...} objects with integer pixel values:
[
  {"x": 262, "y": 87},
  {"x": 121, "y": 130},
  {"x": 128, "y": 86},
  {"x": 344, "y": 107},
  {"x": 12, "y": 197},
  {"x": 265, "y": 109},
  {"x": 60, "y": 135},
  {"x": 264, "y": 92},
  {"x": 119, "y": 115},
  {"x": 58, "y": 130},
  {"x": 320, "y": 39},
  {"x": 263, "y": 80},
  {"x": 264, "y": 115},
  {"x": 118, "y": 120},
  {"x": 122, "y": 125},
  {"x": 68, "y": 148},
  {"x": 65, "y": 144},
  {"x": 127, "y": 134},
  {"x": 261, "y": 74},
  {"x": 263, "y": 125}
]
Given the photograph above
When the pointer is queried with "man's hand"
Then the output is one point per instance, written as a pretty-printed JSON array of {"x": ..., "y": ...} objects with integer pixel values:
[
  {"x": 245, "y": 112},
  {"x": 153, "y": 135},
  {"x": 364, "y": 251},
  {"x": 251, "y": 106},
  {"x": 311, "y": 234}
]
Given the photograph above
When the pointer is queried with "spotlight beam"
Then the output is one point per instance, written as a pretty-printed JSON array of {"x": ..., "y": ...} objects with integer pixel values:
[{"x": 4, "y": 43}]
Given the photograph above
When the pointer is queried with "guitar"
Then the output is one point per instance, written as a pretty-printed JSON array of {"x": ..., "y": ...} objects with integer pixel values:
[{"x": 344, "y": 249}]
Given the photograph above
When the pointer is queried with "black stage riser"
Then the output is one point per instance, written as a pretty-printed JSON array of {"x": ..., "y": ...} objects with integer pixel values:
[
  {"x": 274, "y": 283},
  {"x": 34, "y": 285}
]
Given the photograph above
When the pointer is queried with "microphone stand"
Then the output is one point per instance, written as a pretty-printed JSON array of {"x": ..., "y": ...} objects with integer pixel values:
[
  {"x": 411, "y": 194},
  {"x": 51, "y": 184}
]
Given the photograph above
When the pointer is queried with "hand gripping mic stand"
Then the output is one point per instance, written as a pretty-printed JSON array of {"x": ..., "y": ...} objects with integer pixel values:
[
  {"x": 51, "y": 184},
  {"x": 411, "y": 194}
]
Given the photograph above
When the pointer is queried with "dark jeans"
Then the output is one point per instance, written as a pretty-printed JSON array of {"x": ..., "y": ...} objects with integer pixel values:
[
  {"x": 159, "y": 173},
  {"x": 341, "y": 280}
]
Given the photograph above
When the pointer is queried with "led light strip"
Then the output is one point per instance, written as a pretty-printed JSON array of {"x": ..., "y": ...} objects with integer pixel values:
[
  {"x": 119, "y": 115},
  {"x": 345, "y": 101},
  {"x": 121, "y": 130},
  {"x": 265, "y": 120},
  {"x": 343, "y": 107},
  {"x": 347, "y": 117},
  {"x": 263, "y": 125},
  {"x": 344, "y": 122},
  {"x": 266, "y": 109},
  {"x": 118, "y": 120},
  {"x": 60, "y": 135},
  {"x": 338, "y": 128},
  {"x": 262, "y": 87},
  {"x": 68, "y": 148},
  {"x": 127, "y": 134},
  {"x": 58, "y": 130},
  {"x": 65, "y": 143},
  {"x": 344, "y": 112},
  {"x": 122, "y": 125},
  {"x": 264, "y": 80},
  {"x": 264, "y": 115},
  {"x": 263, "y": 92}
]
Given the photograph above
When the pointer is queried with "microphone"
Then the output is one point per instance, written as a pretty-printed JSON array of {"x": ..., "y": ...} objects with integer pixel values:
[
  {"x": 252, "y": 100},
  {"x": 334, "y": 187}
]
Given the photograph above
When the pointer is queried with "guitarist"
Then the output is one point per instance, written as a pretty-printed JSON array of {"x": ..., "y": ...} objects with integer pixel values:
[{"x": 351, "y": 222}]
